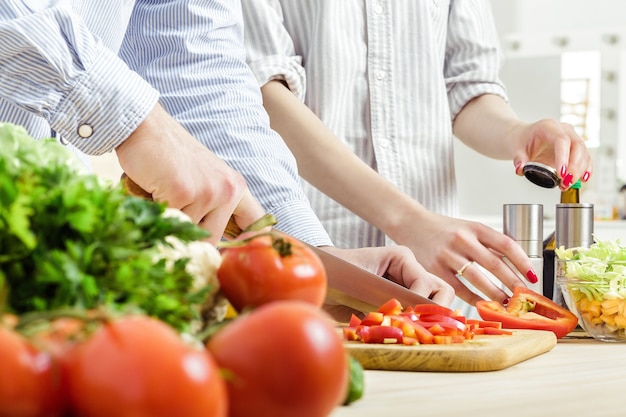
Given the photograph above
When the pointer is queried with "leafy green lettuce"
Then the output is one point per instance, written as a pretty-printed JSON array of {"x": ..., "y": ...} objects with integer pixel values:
[
  {"x": 598, "y": 271},
  {"x": 70, "y": 239}
]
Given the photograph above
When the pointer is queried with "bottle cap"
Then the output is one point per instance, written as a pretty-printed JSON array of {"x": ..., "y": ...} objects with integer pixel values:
[{"x": 542, "y": 175}]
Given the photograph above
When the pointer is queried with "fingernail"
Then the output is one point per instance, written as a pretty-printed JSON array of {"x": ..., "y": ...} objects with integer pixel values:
[
  {"x": 532, "y": 277},
  {"x": 563, "y": 171},
  {"x": 567, "y": 181},
  {"x": 505, "y": 301},
  {"x": 586, "y": 176},
  {"x": 517, "y": 167}
]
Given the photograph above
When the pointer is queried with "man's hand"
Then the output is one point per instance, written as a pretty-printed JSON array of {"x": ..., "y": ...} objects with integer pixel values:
[{"x": 172, "y": 166}]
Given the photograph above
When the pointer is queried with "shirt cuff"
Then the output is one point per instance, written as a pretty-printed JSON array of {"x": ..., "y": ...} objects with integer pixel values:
[
  {"x": 104, "y": 107},
  {"x": 298, "y": 220},
  {"x": 459, "y": 96}
]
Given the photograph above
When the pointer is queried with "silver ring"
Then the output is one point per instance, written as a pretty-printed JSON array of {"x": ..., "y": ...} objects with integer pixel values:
[{"x": 463, "y": 268}]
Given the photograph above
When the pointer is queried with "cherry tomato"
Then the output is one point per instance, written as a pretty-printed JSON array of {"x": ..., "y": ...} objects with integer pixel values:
[
  {"x": 30, "y": 380},
  {"x": 270, "y": 267},
  {"x": 139, "y": 366},
  {"x": 283, "y": 359}
]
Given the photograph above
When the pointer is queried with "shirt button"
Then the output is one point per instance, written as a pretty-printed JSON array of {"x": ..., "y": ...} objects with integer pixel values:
[
  {"x": 380, "y": 75},
  {"x": 85, "y": 131},
  {"x": 378, "y": 9},
  {"x": 384, "y": 143}
]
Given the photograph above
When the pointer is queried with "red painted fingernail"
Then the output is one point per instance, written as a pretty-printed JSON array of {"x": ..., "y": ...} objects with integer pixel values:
[
  {"x": 586, "y": 176},
  {"x": 517, "y": 167},
  {"x": 567, "y": 181},
  {"x": 563, "y": 171},
  {"x": 505, "y": 301},
  {"x": 532, "y": 277}
]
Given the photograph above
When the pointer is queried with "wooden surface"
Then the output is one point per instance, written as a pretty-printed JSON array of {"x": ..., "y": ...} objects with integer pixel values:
[
  {"x": 483, "y": 353},
  {"x": 579, "y": 377}
]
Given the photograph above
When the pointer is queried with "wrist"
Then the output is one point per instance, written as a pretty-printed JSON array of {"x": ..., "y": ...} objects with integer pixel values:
[{"x": 399, "y": 223}]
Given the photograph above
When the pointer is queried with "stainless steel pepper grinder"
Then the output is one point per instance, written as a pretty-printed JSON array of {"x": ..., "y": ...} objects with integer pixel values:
[
  {"x": 524, "y": 224},
  {"x": 574, "y": 228}
]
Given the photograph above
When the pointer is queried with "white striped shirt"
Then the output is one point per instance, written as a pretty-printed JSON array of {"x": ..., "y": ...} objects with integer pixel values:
[
  {"x": 64, "y": 63},
  {"x": 387, "y": 77}
]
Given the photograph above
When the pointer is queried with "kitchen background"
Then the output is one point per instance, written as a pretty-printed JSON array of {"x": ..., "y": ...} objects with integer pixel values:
[{"x": 564, "y": 59}]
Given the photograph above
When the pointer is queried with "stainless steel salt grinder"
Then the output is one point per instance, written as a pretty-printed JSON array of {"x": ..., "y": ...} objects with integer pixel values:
[
  {"x": 524, "y": 224},
  {"x": 574, "y": 228}
]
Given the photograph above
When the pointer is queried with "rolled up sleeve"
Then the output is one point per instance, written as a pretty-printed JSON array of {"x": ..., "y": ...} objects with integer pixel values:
[
  {"x": 473, "y": 54},
  {"x": 270, "y": 51}
]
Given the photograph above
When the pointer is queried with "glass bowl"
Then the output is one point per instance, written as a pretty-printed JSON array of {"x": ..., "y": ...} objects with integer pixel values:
[{"x": 595, "y": 291}]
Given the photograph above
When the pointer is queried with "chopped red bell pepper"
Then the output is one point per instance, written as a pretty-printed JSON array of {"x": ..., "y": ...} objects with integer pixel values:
[
  {"x": 529, "y": 310},
  {"x": 431, "y": 309},
  {"x": 391, "y": 307},
  {"x": 419, "y": 324},
  {"x": 383, "y": 334}
]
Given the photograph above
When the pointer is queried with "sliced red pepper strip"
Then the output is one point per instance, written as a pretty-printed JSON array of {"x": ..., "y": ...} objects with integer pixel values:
[
  {"x": 432, "y": 309},
  {"x": 484, "y": 323},
  {"x": 391, "y": 307},
  {"x": 529, "y": 310},
  {"x": 496, "y": 331},
  {"x": 383, "y": 334}
]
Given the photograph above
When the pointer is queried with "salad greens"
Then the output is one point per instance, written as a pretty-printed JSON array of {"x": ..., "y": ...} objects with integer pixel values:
[
  {"x": 599, "y": 271},
  {"x": 70, "y": 239}
]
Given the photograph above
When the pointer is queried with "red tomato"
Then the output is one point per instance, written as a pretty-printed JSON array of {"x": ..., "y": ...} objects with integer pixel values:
[
  {"x": 139, "y": 366},
  {"x": 283, "y": 359},
  {"x": 30, "y": 380},
  {"x": 271, "y": 267}
]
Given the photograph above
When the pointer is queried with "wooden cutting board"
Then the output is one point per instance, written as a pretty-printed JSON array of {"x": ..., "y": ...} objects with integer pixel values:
[{"x": 483, "y": 353}]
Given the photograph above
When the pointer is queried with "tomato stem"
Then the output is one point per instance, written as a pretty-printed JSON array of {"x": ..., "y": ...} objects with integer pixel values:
[
  {"x": 282, "y": 246},
  {"x": 27, "y": 321}
]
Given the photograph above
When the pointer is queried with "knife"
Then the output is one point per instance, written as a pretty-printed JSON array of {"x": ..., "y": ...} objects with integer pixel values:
[{"x": 348, "y": 284}]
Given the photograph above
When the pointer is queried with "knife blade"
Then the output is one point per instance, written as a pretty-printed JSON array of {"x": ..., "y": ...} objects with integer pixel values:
[
  {"x": 360, "y": 289},
  {"x": 348, "y": 284}
]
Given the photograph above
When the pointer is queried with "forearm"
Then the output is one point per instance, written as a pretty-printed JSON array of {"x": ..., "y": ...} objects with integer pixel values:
[
  {"x": 486, "y": 124},
  {"x": 351, "y": 183}
]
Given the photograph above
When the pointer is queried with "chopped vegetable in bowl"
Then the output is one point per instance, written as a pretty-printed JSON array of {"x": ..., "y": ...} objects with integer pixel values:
[{"x": 593, "y": 282}]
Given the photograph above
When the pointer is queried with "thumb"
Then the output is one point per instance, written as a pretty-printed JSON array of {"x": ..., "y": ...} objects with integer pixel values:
[{"x": 248, "y": 211}]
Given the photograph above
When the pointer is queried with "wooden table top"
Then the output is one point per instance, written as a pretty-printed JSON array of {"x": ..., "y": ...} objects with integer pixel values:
[{"x": 578, "y": 377}]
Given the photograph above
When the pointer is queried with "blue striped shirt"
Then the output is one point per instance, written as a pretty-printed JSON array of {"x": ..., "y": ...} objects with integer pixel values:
[
  {"x": 64, "y": 63},
  {"x": 387, "y": 77}
]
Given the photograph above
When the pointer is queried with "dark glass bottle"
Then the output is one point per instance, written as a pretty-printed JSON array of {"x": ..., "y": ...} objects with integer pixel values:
[{"x": 571, "y": 195}]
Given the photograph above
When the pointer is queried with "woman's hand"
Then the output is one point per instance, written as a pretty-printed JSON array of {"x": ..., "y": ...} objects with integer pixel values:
[
  {"x": 555, "y": 144},
  {"x": 449, "y": 247}
]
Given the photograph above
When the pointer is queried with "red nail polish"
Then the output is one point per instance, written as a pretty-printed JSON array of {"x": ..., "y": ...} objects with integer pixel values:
[
  {"x": 532, "y": 277},
  {"x": 567, "y": 181},
  {"x": 505, "y": 301},
  {"x": 517, "y": 167},
  {"x": 586, "y": 176},
  {"x": 563, "y": 171}
]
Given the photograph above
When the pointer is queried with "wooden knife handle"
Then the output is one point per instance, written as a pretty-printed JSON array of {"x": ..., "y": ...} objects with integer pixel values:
[{"x": 232, "y": 229}]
